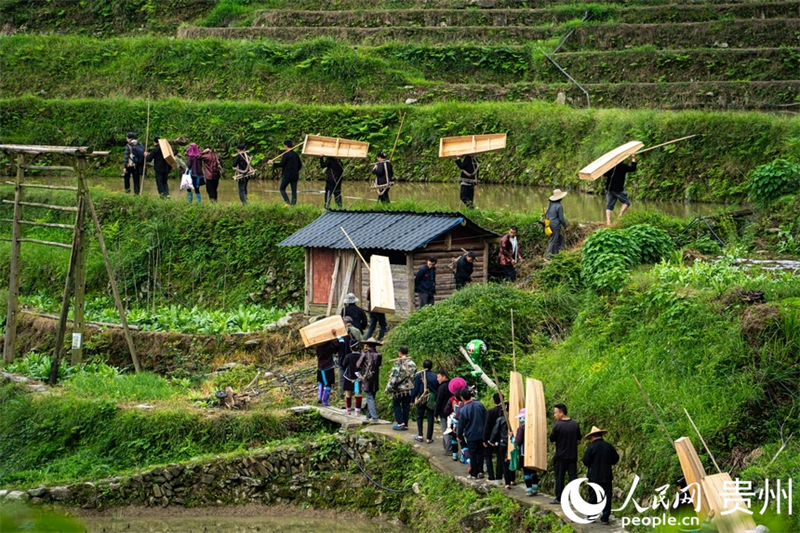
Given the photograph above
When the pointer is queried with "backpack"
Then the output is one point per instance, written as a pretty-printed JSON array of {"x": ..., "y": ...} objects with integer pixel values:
[
  {"x": 136, "y": 153},
  {"x": 366, "y": 366},
  {"x": 428, "y": 397}
]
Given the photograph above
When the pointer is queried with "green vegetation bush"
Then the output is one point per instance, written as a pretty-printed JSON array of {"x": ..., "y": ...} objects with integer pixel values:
[{"x": 773, "y": 180}]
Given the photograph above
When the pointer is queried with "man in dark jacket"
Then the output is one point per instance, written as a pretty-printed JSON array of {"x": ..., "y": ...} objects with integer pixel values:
[
  {"x": 443, "y": 396},
  {"x": 469, "y": 178},
  {"x": 242, "y": 171},
  {"x": 425, "y": 282},
  {"x": 464, "y": 267},
  {"x": 383, "y": 177},
  {"x": 423, "y": 411},
  {"x": 491, "y": 419},
  {"x": 326, "y": 375},
  {"x": 509, "y": 254},
  {"x": 290, "y": 164},
  {"x": 333, "y": 180},
  {"x": 615, "y": 187},
  {"x": 134, "y": 163},
  {"x": 566, "y": 434},
  {"x": 375, "y": 320},
  {"x": 160, "y": 168},
  {"x": 599, "y": 457},
  {"x": 471, "y": 421},
  {"x": 369, "y": 369},
  {"x": 354, "y": 312}
]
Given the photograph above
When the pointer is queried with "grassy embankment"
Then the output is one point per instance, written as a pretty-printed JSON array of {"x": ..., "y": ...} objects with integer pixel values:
[{"x": 547, "y": 143}]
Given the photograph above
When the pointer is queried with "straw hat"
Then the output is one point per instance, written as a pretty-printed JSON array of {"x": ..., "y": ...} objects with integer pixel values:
[
  {"x": 558, "y": 194},
  {"x": 521, "y": 413},
  {"x": 596, "y": 431},
  {"x": 350, "y": 298},
  {"x": 373, "y": 341}
]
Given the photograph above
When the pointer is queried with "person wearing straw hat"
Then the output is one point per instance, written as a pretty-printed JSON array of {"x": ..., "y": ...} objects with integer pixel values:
[
  {"x": 555, "y": 214},
  {"x": 599, "y": 457},
  {"x": 357, "y": 314},
  {"x": 615, "y": 187},
  {"x": 369, "y": 372}
]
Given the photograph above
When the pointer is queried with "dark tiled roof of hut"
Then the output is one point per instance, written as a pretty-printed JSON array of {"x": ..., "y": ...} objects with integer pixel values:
[{"x": 387, "y": 230}]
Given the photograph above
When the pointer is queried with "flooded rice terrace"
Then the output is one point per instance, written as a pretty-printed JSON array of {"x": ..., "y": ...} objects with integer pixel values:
[{"x": 577, "y": 205}]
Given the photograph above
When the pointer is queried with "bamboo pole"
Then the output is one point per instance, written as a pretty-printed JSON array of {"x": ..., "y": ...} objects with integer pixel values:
[
  {"x": 79, "y": 285},
  {"x": 500, "y": 393},
  {"x": 664, "y": 144},
  {"x": 646, "y": 397},
  {"x": 287, "y": 151},
  {"x": 703, "y": 441},
  {"x": 513, "y": 343},
  {"x": 146, "y": 140},
  {"x": 113, "y": 282},
  {"x": 355, "y": 248},
  {"x": 397, "y": 138}
]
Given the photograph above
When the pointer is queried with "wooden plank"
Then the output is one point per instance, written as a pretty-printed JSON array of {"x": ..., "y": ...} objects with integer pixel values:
[
  {"x": 44, "y": 149},
  {"x": 80, "y": 279},
  {"x": 49, "y": 168},
  {"x": 609, "y": 160},
  {"x": 45, "y": 206},
  {"x": 317, "y": 145},
  {"x": 516, "y": 401},
  {"x": 10, "y": 341},
  {"x": 412, "y": 302},
  {"x": 718, "y": 488},
  {"x": 323, "y": 330},
  {"x": 350, "y": 270},
  {"x": 333, "y": 284},
  {"x": 535, "y": 426},
  {"x": 39, "y": 224},
  {"x": 471, "y": 144},
  {"x": 37, "y": 241},
  {"x": 166, "y": 151},
  {"x": 309, "y": 288},
  {"x": 381, "y": 285},
  {"x": 693, "y": 472}
]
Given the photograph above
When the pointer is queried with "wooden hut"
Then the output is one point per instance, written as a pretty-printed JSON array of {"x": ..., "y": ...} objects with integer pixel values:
[{"x": 333, "y": 269}]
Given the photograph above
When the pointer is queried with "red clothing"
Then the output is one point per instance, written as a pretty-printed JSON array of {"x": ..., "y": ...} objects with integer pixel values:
[
  {"x": 211, "y": 169},
  {"x": 507, "y": 251}
]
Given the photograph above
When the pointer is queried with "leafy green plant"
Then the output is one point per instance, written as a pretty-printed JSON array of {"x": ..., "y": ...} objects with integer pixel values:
[{"x": 773, "y": 180}]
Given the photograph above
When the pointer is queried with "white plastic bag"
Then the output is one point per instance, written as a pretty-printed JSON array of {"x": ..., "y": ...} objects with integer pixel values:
[{"x": 186, "y": 180}]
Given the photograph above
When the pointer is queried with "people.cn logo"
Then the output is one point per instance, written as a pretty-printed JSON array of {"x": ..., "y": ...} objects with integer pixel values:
[{"x": 571, "y": 501}]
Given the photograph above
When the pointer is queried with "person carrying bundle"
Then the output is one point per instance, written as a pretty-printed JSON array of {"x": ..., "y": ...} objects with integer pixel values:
[
  {"x": 333, "y": 179},
  {"x": 383, "y": 177},
  {"x": 469, "y": 178},
  {"x": 290, "y": 164},
  {"x": 243, "y": 171},
  {"x": 615, "y": 187}
]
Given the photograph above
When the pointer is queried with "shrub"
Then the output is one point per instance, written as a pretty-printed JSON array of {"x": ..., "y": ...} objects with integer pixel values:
[{"x": 773, "y": 180}]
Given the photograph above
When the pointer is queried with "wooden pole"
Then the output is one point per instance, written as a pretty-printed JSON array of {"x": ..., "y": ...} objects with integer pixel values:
[
  {"x": 146, "y": 140},
  {"x": 68, "y": 286},
  {"x": 333, "y": 284},
  {"x": 703, "y": 441},
  {"x": 654, "y": 411},
  {"x": 113, "y": 282},
  {"x": 80, "y": 270},
  {"x": 355, "y": 248},
  {"x": 287, "y": 150},
  {"x": 10, "y": 341},
  {"x": 500, "y": 392},
  {"x": 664, "y": 144},
  {"x": 402, "y": 121},
  {"x": 513, "y": 343}
]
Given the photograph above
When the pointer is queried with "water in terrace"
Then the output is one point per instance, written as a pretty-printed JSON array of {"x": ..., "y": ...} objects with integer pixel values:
[{"x": 522, "y": 198}]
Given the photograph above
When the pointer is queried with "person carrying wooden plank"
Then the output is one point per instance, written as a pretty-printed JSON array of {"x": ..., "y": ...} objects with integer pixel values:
[
  {"x": 383, "y": 177},
  {"x": 290, "y": 164},
  {"x": 599, "y": 457},
  {"x": 326, "y": 370},
  {"x": 554, "y": 219},
  {"x": 509, "y": 254},
  {"x": 160, "y": 167},
  {"x": 566, "y": 434},
  {"x": 469, "y": 166},
  {"x": 333, "y": 179},
  {"x": 530, "y": 475},
  {"x": 615, "y": 187},
  {"x": 375, "y": 320}
]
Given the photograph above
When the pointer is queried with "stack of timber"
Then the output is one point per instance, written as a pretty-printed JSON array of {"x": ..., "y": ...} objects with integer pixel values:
[
  {"x": 694, "y": 473},
  {"x": 381, "y": 285},
  {"x": 535, "y": 426},
  {"x": 609, "y": 160},
  {"x": 471, "y": 144},
  {"x": 317, "y": 145},
  {"x": 166, "y": 151},
  {"x": 323, "y": 330}
]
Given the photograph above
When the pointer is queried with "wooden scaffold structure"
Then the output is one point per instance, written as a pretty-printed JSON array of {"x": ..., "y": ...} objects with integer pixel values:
[{"x": 75, "y": 283}]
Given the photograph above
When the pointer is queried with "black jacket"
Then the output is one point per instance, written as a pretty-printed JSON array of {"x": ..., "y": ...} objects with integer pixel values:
[
  {"x": 419, "y": 387},
  {"x": 566, "y": 434},
  {"x": 383, "y": 172},
  {"x": 469, "y": 167},
  {"x": 491, "y": 418},
  {"x": 357, "y": 314},
  {"x": 334, "y": 170},
  {"x": 160, "y": 164},
  {"x": 615, "y": 178},
  {"x": 443, "y": 396},
  {"x": 425, "y": 281},
  {"x": 499, "y": 436},
  {"x": 290, "y": 164},
  {"x": 464, "y": 270},
  {"x": 239, "y": 162},
  {"x": 600, "y": 456}
]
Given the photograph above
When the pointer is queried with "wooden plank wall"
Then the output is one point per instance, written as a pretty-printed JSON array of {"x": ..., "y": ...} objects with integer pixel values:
[
  {"x": 447, "y": 250},
  {"x": 321, "y": 271}
]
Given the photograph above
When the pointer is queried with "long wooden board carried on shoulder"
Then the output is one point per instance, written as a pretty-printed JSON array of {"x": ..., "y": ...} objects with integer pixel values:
[
  {"x": 334, "y": 147},
  {"x": 471, "y": 144},
  {"x": 516, "y": 401},
  {"x": 166, "y": 151},
  {"x": 694, "y": 473},
  {"x": 723, "y": 495},
  {"x": 609, "y": 160},
  {"x": 381, "y": 285},
  {"x": 535, "y": 426},
  {"x": 323, "y": 330}
]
